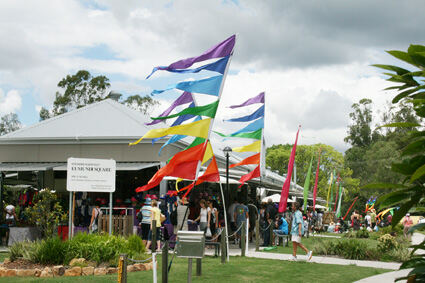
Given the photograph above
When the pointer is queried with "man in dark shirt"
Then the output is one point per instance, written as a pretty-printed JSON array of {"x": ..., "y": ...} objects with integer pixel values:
[{"x": 270, "y": 215}]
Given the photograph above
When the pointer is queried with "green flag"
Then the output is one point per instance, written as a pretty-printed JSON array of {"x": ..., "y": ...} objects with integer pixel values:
[
  {"x": 338, "y": 210},
  {"x": 332, "y": 191},
  {"x": 307, "y": 185},
  {"x": 251, "y": 135},
  {"x": 208, "y": 110}
]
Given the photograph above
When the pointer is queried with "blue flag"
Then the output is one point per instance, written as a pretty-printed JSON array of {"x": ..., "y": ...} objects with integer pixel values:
[
  {"x": 209, "y": 86},
  {"x": 252, "y": 127},
  {"x": 257, "y": 114}
]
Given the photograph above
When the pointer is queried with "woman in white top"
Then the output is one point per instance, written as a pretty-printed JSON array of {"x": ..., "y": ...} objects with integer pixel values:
[
  {"x": 204, "y": 217},
  {"x": 96, "y": 212}
]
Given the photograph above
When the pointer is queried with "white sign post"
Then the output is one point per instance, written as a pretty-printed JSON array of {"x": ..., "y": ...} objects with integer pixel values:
[{"x": 90, "y": 175}]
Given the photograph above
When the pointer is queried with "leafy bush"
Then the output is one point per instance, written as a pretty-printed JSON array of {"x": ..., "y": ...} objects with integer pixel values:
[
  {"x": 352, "y": 249},
  {"x": 51, "y": 251},
  {"x": 362, "y": 233},
  {"x": 135, "y": 245},
  {"x": 387, "y": 243},
  {"x": 397, "y": 230}
]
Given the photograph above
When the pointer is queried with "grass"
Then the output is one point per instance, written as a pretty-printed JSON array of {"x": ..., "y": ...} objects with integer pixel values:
[
  {"x": 237, "y": 270},
  {"x": 308, "y": 243},
  {"x": 3, "y": 256}
]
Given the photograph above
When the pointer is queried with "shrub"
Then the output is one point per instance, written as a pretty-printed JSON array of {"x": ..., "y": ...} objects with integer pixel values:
[
  {"x": 51, "y": 251},
  {"x": 387, "y": 243},
  {"x": 135, "y": 245},
  {"x": 353, "y": 249},
  {"x": 362, "y": 233}
]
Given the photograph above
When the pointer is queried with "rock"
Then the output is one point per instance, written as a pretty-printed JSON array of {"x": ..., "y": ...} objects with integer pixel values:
[
  {"x": 89, "y": 270},
  {"x": 2, "y": 271},
  {"x": 25, "y": 272},
  {"x": 9, "y": 273},
  {"x": 73, "y": 271},
  {"x": 47, "y": 272},
  {"x": 100, "y": 271},
  {"x": 112, "y": 270},
  {"x": 131, "y": 268},
  {"x": 6, "y": 260},
  {"x": 139, "y": 266},
  {"x": 91, "y": 263},
  {"x": 58, "y": 270},
  {"x": 37, "y": 272},
  {"x": 148, "y": 266},
  {"x": 77, "y": 261}
]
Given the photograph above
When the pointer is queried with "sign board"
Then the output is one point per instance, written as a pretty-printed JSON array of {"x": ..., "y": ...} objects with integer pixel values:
[{"x": 90, "y": 175}]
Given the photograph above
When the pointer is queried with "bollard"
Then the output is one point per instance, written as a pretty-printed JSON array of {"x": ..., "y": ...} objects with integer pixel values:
[
  {"x": 257, "y": 235},
  {"x": 198, "y": 266},
  {"x": 189, "y": 270},
  {"x": 223, "y": 246},
  {"x": 122, "y": 269},
  {"x": 243, "y": 238},
  {"x": 154, "y": 235},
  {"x": 165, "y": 263},
  {"x": 271, "y": 234}
]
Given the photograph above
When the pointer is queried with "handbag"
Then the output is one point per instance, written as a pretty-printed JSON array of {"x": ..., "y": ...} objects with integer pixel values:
[
  {"x": 208, "y": 232},
  {"x": 162, "y": 218}
]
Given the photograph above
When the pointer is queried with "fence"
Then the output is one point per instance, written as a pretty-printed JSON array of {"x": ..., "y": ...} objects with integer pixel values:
[{"x": 121, "y": 224}]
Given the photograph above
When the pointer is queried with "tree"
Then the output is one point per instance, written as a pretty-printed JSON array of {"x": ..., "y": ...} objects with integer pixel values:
[
  {"x": 9, "y": 123},
  {"x": 409, "y": 193},
  {"x": 82, "y": 89}
]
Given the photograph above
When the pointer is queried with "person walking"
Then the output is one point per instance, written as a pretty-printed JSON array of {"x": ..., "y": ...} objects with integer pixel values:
[
  {"x": 145, "y": 222},
  {"x": 96, "y": 212},
  {"x": 204, "y": 217},
  {"x": 155, "y": 215},
  {"x": 297, "y": 232},
  {"x": 407, "y": 223},
  {"x": 241, "y": 216}
]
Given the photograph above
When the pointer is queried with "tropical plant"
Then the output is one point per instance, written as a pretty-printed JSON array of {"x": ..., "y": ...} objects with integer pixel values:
[
  {"x": 46, "y": 213},
  {"x": 409, "y": 193}
]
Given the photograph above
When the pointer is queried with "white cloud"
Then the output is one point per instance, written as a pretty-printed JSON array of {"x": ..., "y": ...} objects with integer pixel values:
[{"x": 10, "y": 103}]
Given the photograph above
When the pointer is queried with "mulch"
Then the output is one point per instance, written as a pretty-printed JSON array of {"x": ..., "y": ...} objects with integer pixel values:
[{"x": 21, "y": 263}]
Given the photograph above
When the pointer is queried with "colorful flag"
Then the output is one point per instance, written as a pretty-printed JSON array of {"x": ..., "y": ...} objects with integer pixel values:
[
  {"x": 329, "y": 190},
  {"x": 194, "y": 129},
  {"x": 254, "y": 159},
  {"x": 338, "y": 210},
  {"x": 253, "y": 147},
  {"x": 316, "y": 181},
  {"x": 285, "y": 188},
  {"x": 257, "y": 99},
  {"x": 183, "y": 165},
  {"x": 209, "y": 86},
  {"x": 208, "y": 110},
  {"x": 186, "y": 97},
  {"x": 222, "y": 49},
  {"x": 251, "y": 175},
  {"x": 307, "y": 185},
  {"x": 257, "y": 114},
  {"x": 251, "y": 135},
  {"x": 251, "y": 127}
]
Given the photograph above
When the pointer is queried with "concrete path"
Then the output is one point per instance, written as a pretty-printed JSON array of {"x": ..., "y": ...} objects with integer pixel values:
[{"x": 386, "y": 277}]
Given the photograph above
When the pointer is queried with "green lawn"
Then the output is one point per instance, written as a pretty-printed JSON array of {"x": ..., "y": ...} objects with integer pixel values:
[
  {"x": 237, "y": 270},
  {"x": 308, "y": 243},
  {"x": 3, "y": 256}
]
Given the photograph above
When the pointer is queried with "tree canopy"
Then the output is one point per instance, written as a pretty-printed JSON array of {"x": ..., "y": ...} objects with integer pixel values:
[{"x": 9, "y": 123}]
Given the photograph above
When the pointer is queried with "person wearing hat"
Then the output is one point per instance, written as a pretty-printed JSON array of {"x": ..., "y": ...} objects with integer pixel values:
[
  {"x": 407, "y": 223},
  {"x": 145, "y": 222}
]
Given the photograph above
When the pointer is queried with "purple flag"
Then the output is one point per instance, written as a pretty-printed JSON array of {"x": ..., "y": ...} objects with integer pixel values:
[
  {"x": 222, "y": 49},
  {"x": 186, "y": 97},
  {"x": 257, "y": 99}
]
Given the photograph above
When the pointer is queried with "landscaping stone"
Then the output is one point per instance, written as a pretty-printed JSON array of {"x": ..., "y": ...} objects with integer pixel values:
[
  {"x": 73, "y": 271},
  {"x": 37, "y": 272},
  {"x": 89, "y": 270},
  {"x": 148, "y": 266},
  {"x": 25, "y": 272},
  {"x": 139, "y": 266},
  {"x": 9, "y": 273},
  {"x": 6, "y": 260},
  {"x": 77, "y": 261},
  {"x": 100, "y": 271},
  {"x": 131, "y": 268},
  {"x": 112, "y": 270},
  {"x": 58, "y": 270},
  {"x": 47, "y": 272}
]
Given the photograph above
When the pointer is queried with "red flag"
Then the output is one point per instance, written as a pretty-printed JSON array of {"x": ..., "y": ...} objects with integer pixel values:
[
  {"x": 182, "y": 165},
  {"x": 316, "y": 181},
  {"x": 254, "y": 159},
  {"x": 251, "y": 175},
  {"x": 285, "y": 188},
  {"x": 338, "y": 180}
]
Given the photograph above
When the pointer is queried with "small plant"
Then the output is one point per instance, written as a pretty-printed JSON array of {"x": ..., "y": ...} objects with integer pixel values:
[
  {"x": 46, "y": 213},
  {"x": 387, "y": 243},
  {"x": 52, "y": 251},
  {"x": 362, "y": 233}
]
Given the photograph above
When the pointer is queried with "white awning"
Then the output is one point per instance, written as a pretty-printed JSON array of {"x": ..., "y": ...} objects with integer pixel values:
[
  {"x": 222, "y": 179},
  {"x": 61, "y": 166}
]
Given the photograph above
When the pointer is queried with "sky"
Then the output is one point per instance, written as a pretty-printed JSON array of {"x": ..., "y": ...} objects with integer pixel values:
[{"x": 312, "y": 58}]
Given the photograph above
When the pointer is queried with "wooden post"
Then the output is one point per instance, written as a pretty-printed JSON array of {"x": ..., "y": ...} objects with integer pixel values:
[
  {"x": 189, "y": 270},
  {"x": 165, "y": 263},
  {"x": 257, "y": 235},
  {"x": 223, "y": 246},
  {"x": 243, "y": 238},
  {"x": 271, "y": 234},
  {"x": 122, "y": 269},
  {"x": 154, "y": 235},
  {"x": 198, "y": 266}
]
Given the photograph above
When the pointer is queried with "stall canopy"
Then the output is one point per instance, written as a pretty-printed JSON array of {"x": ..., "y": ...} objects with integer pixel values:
[
  {"x": 274, "y": 198},
  {"x": 61, "y": 166}
]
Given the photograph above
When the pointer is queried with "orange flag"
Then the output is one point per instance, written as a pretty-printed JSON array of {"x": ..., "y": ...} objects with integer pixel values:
[
  {"x": 182, "y": 165},
  {"x": 251, "y": 175},
  {"x": 254, "y": 159}
]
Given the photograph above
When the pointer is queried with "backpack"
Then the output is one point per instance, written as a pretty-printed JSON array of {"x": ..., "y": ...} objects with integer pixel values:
[{"x": 173, "y": 217}]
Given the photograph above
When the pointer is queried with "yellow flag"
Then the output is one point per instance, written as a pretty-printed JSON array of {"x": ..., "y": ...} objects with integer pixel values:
[
  {"x": 177, "y": 183},
  {"x": 208, "y": 153},
  {"x": 254, "y": 147},
  {"x": 195, "y": 129}
]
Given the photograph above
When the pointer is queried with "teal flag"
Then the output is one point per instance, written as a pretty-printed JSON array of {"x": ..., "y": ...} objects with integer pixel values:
[
  {"x": 251, "y": 135},
  {"x": 208, "y": 110},
  {"x": 307, "y": 185}
]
